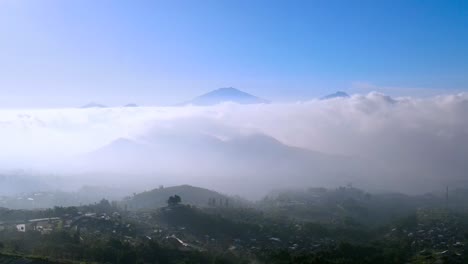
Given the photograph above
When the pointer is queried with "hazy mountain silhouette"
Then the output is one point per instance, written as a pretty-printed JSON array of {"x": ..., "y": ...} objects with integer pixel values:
[
  {"x": 225, "y": 95},
  {"x": 338, "y": 94},
  {"x": 131, "y": 105},
  {"x": 262, "y": 161},
  {"x": 198, "y": 146},
  {"x": 93, "y": 105}
]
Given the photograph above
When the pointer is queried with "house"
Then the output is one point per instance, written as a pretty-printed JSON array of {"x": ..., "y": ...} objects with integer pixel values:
[{"x": 21, "y": 227}]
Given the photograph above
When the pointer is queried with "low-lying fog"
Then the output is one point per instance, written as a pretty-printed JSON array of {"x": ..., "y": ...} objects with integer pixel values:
[{"x": 373, "y": 141}]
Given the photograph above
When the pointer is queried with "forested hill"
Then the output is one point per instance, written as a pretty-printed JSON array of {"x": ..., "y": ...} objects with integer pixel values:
[{"x": 190, "y": 195}]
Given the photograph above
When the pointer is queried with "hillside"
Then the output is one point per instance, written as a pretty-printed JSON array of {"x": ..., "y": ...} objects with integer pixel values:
[{"x": 190, "y": 195}]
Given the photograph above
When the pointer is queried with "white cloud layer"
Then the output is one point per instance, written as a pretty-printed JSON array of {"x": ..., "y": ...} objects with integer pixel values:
[{"x": 417, "y": 141}]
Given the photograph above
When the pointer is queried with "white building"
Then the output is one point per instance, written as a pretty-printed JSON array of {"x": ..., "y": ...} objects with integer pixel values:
[{"x": 21, "y": 227}]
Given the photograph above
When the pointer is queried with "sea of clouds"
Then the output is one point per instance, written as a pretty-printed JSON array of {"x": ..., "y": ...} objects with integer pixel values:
[{"x": 424, "y": 138}]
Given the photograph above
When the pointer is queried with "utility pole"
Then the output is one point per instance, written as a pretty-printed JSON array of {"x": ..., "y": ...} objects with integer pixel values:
[{"x": 446, "y": 197}]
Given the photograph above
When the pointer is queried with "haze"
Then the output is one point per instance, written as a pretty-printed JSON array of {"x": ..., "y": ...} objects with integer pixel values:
[
  {"x": 373, "y": 140},
  {"x": 137, "y": 68}
]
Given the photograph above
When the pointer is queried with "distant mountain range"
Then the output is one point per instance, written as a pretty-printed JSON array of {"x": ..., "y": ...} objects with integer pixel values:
[
  {"x": 225, "y": 95},
  {"x": 252, "y": 163}
]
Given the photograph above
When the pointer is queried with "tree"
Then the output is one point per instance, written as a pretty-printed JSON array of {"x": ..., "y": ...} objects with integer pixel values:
[
  {"x": 174, "y": 200},
  {"x": 177, "y": 199}
]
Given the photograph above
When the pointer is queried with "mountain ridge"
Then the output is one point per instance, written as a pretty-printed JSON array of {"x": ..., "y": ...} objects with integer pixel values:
[
  {"x": 338, "y": 94},
  {"x": 227, "y": 94}
]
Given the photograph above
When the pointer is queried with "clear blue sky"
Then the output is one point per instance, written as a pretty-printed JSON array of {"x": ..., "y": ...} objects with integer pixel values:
[{"x": 67, "y": 53}]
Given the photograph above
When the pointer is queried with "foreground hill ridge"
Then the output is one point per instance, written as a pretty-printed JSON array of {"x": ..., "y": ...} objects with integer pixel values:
[{"x": 191, "y": 195}]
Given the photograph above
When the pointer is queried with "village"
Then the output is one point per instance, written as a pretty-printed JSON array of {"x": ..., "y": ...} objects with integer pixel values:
[{"x": 435, "y": 234}]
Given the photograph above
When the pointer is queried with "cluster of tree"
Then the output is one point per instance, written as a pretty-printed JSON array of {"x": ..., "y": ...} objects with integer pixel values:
[
  {"x": 174, "y": 200},
  {"x": 218, "y": 202}
]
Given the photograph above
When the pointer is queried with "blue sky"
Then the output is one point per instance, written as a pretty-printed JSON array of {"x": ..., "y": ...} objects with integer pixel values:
[{"x": 66, "y": 53}]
